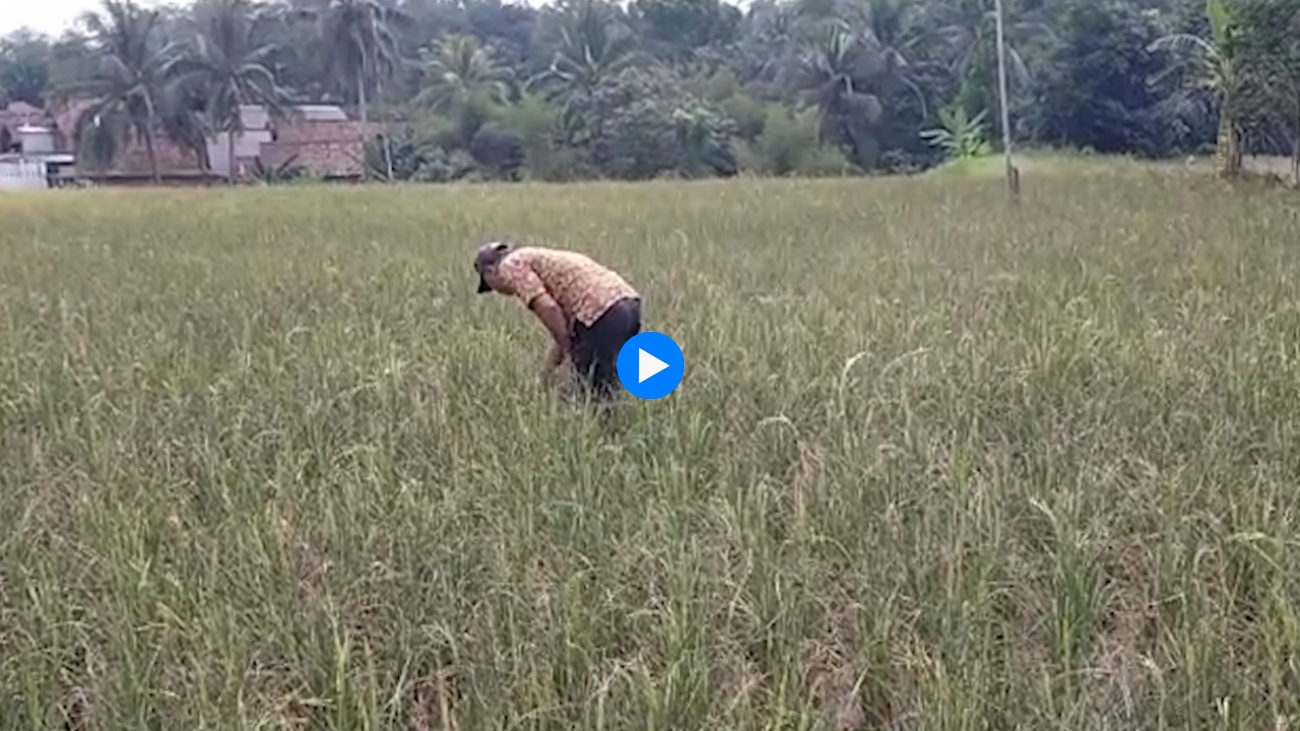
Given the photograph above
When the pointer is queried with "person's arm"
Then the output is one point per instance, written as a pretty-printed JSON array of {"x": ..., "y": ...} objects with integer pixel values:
[
  {"x": 549, "y": 312},
  {"x": 528, "y": 287}
]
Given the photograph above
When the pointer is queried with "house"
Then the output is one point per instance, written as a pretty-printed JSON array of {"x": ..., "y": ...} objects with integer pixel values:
[
  {"x": 177, "y": 164},
  {"x": 28, "y": 158},
  {"x": 318, "y": 138},
  {"x": 16, "y": 115},
  {"x": 257, "y": 130},
  {"x": 13, "y": 117}
]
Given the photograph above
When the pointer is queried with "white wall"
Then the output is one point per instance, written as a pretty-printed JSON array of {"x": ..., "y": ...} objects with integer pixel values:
[
  {"x": 36, "y": 140},
  {"x": 248, "y": 144},
  {"x": 257, "y": 130},
  {"x": 22, "y": 175}
]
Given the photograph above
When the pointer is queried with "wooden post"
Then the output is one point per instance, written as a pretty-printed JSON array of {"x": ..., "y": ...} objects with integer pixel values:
[{"x": 1013, "y": 175}]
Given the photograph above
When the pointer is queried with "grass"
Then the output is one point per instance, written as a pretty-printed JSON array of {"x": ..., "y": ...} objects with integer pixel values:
[
  {"x": 268, "y": 462},
  {"x": 1044, "y": 162},
  {"x": 1058, "y": 162}
]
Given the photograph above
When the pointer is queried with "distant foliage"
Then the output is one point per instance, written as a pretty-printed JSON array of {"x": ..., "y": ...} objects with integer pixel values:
[{"x": 487, "y": 89}]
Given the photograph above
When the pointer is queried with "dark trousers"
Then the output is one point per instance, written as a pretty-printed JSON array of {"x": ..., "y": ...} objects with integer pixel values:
[{"x": 594, "y": 349}]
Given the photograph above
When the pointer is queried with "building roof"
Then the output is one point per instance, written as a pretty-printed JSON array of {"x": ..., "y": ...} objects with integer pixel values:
[
  {"x": 23, "y": 108},
  {"x": 321, "y": 112},
  {"x": 18, "y": 114}
]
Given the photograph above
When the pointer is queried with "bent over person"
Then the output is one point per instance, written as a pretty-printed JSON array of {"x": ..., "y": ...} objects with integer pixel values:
[{"x": 589, "y": 309}]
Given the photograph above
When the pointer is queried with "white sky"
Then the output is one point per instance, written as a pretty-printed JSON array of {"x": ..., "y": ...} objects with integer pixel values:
[{"x": 51, "y": 17}]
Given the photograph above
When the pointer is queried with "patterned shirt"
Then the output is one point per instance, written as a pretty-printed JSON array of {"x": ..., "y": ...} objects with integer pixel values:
[{"x": 580, "y": 286}]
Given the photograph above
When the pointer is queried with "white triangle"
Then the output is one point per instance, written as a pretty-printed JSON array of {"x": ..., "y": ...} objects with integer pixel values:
[{"x": 647, "y": 365}]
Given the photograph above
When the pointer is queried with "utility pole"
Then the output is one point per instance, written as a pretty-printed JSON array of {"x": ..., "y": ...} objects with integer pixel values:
[{"x": 1013, "y": 175}]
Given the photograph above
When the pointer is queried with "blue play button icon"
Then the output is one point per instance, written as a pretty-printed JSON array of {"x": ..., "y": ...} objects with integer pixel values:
[{"x": 650, "y": 366}]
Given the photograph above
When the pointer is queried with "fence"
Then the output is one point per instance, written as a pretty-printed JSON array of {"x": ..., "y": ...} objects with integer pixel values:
[{"x": 22, "y": 175}]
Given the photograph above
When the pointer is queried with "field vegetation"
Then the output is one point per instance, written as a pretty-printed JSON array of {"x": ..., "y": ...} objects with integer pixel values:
[{"x": 936, "y": 463}]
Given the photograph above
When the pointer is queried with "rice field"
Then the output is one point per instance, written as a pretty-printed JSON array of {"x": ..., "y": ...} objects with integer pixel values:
[{"x": 267, "y": 461}]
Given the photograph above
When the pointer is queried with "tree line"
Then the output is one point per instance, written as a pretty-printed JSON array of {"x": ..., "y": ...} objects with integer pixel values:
[{"x": 647, "y": 88}]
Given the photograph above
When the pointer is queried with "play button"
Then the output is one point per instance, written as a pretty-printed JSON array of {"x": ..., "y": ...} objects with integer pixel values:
[
  {"x": 650, "y": 366},
  {"x": 647, "y": 365}
]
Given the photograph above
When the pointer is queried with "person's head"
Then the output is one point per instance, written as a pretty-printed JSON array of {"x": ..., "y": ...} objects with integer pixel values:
[{"x": 486, "y": 259}]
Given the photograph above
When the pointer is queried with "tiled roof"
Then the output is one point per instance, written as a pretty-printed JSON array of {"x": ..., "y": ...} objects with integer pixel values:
[{"x": 24, "y": 108}]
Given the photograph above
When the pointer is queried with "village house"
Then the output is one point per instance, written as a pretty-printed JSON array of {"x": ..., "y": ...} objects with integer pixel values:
[
  {"x": 319, "y": 139},
  {"x": 29, "y": 150},
  {"x": 17, "y": 114}
]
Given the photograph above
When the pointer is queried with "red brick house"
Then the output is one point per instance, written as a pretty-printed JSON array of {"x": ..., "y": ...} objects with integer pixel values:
[
  {"x": 331, "y": 148},
  {"x": 318, "y": 137},
  {"x": 326, "y": 143},
  {"x": 176, "y": 163}
]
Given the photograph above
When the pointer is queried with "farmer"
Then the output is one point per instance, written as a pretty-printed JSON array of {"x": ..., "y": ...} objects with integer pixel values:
[{"x": 589, "y": 310}]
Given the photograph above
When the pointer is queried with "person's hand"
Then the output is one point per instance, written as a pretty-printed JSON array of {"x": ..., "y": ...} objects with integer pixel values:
[{"x": 554, "y": 360}]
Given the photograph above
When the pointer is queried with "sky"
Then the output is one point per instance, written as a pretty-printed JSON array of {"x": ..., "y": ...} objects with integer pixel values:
[{"x": 51, "y": 17}]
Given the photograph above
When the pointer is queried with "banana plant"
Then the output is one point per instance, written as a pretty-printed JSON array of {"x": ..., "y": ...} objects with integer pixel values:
[
  {"x": 959, "y": 135},
  {"x": 1216, "y": 65}
]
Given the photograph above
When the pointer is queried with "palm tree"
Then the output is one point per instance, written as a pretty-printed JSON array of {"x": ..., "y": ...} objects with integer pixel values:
[
  {"x": 892, "y": 25},
  {"x": 1217, "y": 68},
  {"x": 182, "y": 119},
  {"x": 968, "y": 28},
  {"x": 361, "y": 47},
  {"x": 841, "y": 76},
  {"x": 128, "y": 84},
  {"x": 24, "y": 67},
  {"x": 360, "y": 44},
  {"x": 767, "y": 27},
  {"x": 226, "y": 61},
  {"x": 591, "y": 49},
  {"x": 459, "y": 67}
]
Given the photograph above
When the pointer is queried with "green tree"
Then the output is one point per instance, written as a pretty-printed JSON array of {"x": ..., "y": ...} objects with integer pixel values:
[
  {"x": 1272, "y": 46},
  {"x": 1094, "y": 92},
  {"x": 592, "y": 49},
  {"x": 867, "y": 75},
  {"x": 225, "y": 61},
  {"x": 25, "y": 63},
  {"x": 681, "y": 27},
  {"x": 129, "y": 82},
  {"x": 1216, "y": 66},
  {"x": 966, "y": 30},
  {"x": 840, "y": 77},
  {"x": 72, "y": 61},
  {"x": 183, "y": 120},
  {"x": 361, "y": 45},
  {"x": 459, "y": 66}
]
